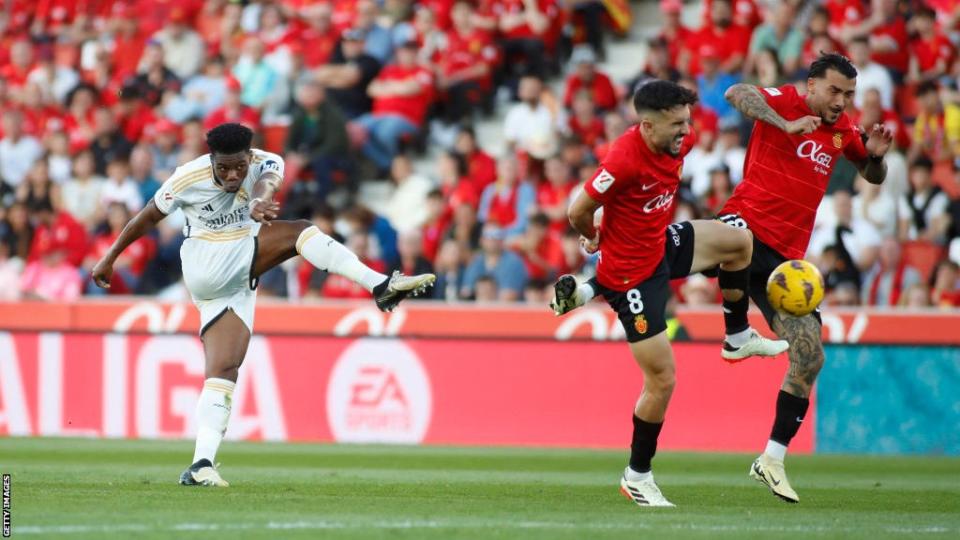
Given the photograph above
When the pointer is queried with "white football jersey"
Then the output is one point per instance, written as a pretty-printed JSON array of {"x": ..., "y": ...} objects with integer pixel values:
[{"x": 207, "y": 207}]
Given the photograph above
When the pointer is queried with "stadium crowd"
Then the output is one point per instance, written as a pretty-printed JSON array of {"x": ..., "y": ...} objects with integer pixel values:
[{"x": 102, "y": 99}]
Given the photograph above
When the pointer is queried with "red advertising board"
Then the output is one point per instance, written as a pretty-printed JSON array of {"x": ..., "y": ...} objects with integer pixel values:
[
  {"x": 434, "y": 391},
  {"x": 428, "y": 319}
]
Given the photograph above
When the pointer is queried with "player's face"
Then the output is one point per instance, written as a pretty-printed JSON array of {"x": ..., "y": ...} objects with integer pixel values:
[
  {"x": 665, "y": 130},
  {"x": 231, "y": 169},
  {"x": 831, "y": 95}
]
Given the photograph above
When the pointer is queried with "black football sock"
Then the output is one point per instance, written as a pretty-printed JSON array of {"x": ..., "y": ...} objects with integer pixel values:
[
  {"x": 735, "y": 312},
  {"x": 790, "y": 412},
  {"x": 644, "y": 444}
]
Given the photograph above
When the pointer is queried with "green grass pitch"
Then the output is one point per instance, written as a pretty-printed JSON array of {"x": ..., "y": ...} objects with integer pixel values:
[{"x": 68, "y": 488}]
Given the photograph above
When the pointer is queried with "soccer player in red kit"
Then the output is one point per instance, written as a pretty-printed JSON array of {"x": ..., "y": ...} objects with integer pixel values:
[
  {"x": 795, "y": 144},
  {"x": 636, "y": 185}
]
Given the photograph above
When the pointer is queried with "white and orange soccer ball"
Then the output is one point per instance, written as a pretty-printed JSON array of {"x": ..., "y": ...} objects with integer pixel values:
[{"x": 795, "y": 288}]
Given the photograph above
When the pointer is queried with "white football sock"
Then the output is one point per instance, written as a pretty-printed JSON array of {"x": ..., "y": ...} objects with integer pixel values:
[
  {"x": 634, "y": 476},
  {"x": 327, "y": 254},
  {"x": 776, "y": 450},
  {"x": 585, "y": 293},
  {"x": 213, "y": 413},
  {"x": 740, "y": 338}
]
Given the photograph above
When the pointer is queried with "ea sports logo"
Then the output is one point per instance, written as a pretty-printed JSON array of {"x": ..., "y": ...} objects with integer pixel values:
[{"x": 379, "y": 392}]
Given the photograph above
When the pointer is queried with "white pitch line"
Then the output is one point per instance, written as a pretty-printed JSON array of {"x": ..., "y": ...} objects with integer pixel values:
[{"x": 474, "y": 524}]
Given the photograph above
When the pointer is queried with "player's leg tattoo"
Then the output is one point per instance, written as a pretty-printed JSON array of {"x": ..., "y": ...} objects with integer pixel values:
[{"x": 806, "y": 352}]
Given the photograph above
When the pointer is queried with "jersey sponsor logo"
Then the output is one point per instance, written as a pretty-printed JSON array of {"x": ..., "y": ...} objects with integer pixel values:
[
  {"x": 773, "y": 91},
  {"x": 658, "y": 203},
  {"x": 813, "y": 151},
  {"x": 237, "y": 216},
  {"x": 379, "y": 392},
  {"x": 603, "y": 181}
]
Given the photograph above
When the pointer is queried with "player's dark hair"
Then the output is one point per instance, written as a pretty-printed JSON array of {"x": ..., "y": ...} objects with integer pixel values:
[
  {"x": 229, "y": 139},
  {"x": 660, "y": 95},
  {"x": 837, "y": 62}
]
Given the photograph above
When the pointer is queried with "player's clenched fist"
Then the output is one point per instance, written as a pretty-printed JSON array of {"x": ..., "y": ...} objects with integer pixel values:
[
  {"x": 101, "y": 273},
  {"x": 803, "y": 125},
  {"x": 263, "y": 211}
]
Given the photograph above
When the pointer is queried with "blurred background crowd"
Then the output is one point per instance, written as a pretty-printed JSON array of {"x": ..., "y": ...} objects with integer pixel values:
[{"x": 383, "y": 113}]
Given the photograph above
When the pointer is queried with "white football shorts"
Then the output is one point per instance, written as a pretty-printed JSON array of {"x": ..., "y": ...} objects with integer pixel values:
[{"x": 217, "y": 269}]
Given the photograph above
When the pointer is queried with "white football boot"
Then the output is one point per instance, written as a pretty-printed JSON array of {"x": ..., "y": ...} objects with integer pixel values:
[
  {"x": 770, "y": 472},
  {"x": 757, "y": 345},
  {"x": 643, "y": 492}
]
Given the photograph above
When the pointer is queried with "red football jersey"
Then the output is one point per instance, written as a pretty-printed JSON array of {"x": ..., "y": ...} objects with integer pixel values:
[
  {"x": 785, "y": 176},
  {"x": 412, "y": 107},
  {"x": 637, "y": 188},
  {"x": 928, "y": 53}
]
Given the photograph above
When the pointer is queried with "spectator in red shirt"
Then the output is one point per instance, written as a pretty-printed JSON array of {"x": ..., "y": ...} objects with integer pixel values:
[
  {"x": 233, "y": 109},
  {"x": 730, "y": 40},
  {"x": 745, "y": 12},
  {"x": 318, "y": 37},
  {"x": 523, "y": 25},
  {"x": 539, "y": 248},
  {"x": 944, "y": 290},
  {"x": 465, "y": 65},
  {"x": 887, "y": 32},
  {"x": 584, "y": 123},
  {"x": 673, "y": 34},
  {"x": 872, "y": 112},
  {"x": 931, "y": 53},
  {"x": 844, "y": 14},
  {"x": 56, "y": 230},
  {"x": 128, "y": 41},
  {"x": 553, "y": 195},
  {"x": 586, "y": 77},
  {"x": 401, "y": 94},
  {"x": 131, "y": 263},
  {"x": 21, "y": 62},
  {"x": 481, "y": 167}
]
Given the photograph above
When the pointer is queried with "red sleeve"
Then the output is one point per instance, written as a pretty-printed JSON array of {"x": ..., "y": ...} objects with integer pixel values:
[
  {"x": 610, "y": 177},
  {"x": 780, "y": 99},
  {"x": 855, "y": 151}
]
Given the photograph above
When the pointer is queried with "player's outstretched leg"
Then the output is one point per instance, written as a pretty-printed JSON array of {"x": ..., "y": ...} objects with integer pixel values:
[
  {"x": 284, "y": 239},
  {"x": 225, "y": 345},
  {"x": 730, "y": 248},
  {"x": 793, "y": 400},
  {"x": 568, "y": 295},
  {"x": 655, "y": 358}
]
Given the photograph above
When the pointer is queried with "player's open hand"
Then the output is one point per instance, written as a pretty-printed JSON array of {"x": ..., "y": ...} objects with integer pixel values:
[
  {"x": 101, "y": 273},
  {"x": 263, "y": 211},
  {"x": 879, "y": 140},
  {"x": 803, "y": 125}
]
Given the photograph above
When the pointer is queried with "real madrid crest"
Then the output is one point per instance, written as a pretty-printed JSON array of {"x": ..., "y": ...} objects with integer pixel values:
[{"x": 242, "y": 196}]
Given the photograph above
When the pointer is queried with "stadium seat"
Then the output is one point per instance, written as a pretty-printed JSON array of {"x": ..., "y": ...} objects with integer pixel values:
[{"x": 922, "y": 255}]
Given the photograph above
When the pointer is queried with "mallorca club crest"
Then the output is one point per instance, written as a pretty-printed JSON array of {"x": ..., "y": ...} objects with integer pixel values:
[
  {"x": 242, "y": 196},
  {"x": 838, "y": 140},
  {"x": 640, "y": 324}
]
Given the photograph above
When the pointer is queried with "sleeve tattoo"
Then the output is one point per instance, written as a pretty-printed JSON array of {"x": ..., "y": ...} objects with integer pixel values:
[{"x": 748, "y": 100}]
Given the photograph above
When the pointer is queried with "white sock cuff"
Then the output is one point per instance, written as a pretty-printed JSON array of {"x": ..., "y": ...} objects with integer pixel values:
[
  {"x": 776, "y": 450},
  {"x": 219, "y": 385},
  {"x": 585, "y": 292},
  {"x": 305, "y": 235}
]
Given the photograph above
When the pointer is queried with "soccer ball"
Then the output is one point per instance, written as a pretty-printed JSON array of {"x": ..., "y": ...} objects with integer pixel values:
[{"x": 795, "y": 288}]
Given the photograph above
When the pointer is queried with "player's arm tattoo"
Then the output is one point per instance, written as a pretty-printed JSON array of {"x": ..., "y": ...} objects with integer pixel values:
[
  {"x": 749, "y": 101},
  {"x": 806, "y": 352}
]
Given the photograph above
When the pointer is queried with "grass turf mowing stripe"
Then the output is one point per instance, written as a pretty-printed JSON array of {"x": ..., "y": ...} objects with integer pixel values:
[{"x": 80, "y": 488}]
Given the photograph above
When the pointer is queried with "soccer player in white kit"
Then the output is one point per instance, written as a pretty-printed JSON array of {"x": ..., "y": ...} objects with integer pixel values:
[{"x": 227, "y": 198}]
